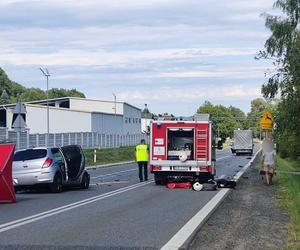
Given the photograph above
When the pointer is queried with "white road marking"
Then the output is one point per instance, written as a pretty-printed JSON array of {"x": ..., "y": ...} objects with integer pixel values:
[
  {"x": 17, "y": 223},
  {"x": 188, "y": 230},
  {"x": 26, "y": 220},
  {"x": 108, "y": 183},
  {"x": 185, "y": 233}
]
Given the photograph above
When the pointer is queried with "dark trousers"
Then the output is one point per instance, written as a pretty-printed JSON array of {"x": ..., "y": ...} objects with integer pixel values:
[{"x": 143, "y": 164}]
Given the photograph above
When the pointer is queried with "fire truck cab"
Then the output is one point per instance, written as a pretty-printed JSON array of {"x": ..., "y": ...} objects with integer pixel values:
[{"x": 183, "y": 150}]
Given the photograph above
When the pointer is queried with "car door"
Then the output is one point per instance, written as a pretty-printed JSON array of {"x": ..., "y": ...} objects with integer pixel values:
[
  {"x": 60, "y": 161},
  {"x": 74, "y": 160}
]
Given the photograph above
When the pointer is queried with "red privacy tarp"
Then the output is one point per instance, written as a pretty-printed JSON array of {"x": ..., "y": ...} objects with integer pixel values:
[{"x": 7, "y": 193}]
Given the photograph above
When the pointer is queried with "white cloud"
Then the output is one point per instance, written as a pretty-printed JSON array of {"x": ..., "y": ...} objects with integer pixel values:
[
  {"x": 232, "y": 72},
  {"x": 101, "y": 57},
  {"x": 167, "y": 44},
  {"x": 182, "y": 94}
]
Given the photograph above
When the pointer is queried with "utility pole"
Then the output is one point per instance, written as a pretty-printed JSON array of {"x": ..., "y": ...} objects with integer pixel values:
[{"x": 46, "y": 74}]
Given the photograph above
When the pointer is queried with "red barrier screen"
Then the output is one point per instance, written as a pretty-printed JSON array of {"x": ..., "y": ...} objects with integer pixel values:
[{"x": 7, "y": 193}]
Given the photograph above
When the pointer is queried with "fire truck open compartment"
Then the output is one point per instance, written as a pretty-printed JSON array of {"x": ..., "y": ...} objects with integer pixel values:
[{"x": 180, "y": 143}]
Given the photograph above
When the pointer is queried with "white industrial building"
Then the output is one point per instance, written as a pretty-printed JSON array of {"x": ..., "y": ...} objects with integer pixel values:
[{"x": 72, "y": 114}]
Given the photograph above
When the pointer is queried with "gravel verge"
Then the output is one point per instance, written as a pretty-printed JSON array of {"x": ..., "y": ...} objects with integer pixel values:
[{"x": 247, "y": 219}]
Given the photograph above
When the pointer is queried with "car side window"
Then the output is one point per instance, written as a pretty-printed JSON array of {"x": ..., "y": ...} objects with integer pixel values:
[{"x": 56, "y": 154}]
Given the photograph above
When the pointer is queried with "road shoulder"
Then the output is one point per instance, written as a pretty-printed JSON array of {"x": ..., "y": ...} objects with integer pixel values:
[{"x": 247, "y": 219}]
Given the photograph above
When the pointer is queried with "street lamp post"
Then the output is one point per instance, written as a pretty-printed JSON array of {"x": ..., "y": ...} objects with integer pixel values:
[{"x": 46, "y": 73}]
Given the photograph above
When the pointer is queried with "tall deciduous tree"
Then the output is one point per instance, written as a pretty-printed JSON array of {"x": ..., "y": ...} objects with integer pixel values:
[
  {"x": 16, "y": 91},
  {"x": 4, "y": 97},
  {"x": 258, "y": 105},
  {"x": 222, "y": 117},
  {"x": 283, "y": 46}
]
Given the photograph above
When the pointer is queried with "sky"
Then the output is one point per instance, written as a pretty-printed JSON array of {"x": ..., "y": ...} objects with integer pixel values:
[{"x": 170, "y": 54}]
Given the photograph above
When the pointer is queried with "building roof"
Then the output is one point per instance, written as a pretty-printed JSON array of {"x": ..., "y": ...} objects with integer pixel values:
[{"x": 40, "y": 102}]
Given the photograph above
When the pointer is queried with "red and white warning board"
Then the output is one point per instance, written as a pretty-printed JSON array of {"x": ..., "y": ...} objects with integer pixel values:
[{"x": 7, "y": 193}]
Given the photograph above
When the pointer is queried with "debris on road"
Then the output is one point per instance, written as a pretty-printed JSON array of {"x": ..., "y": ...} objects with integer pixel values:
[
  {"x": 226, "y": 182},
  {"x": 173, "y": 185}
]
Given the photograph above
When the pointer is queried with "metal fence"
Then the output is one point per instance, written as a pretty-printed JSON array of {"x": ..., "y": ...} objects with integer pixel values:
[{"x": 85, "y": 139}]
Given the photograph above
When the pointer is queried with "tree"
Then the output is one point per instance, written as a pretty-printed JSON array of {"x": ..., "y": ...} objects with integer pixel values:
[
  {"x": 258, "y": 106},
  {"x": 283, "y": 47},
  {"x": 32, "y": 94},
  {"x": 75, "y": 93},
  {"x": 4, "y": 97},
  {"x": 239, "y": 116},
  {"x": 221, "y": 116},
  {"x": 57, "y": 93},
  {"x": 13, "y": 89},
  {"x": 17, "y": 92}
]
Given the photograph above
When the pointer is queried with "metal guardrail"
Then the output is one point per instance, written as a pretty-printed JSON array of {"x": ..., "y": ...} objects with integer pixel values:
[{"x": 85, "y": 139}]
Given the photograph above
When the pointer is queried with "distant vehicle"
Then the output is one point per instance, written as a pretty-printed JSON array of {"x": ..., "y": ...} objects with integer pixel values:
[
  {"x": 54, "y": 167},
  {"x": 242, "y": 142},
  {"x": 183, "y": 150}
]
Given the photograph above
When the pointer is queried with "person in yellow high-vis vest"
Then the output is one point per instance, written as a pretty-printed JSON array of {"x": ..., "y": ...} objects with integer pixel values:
[{"x": 142, "y": 156}]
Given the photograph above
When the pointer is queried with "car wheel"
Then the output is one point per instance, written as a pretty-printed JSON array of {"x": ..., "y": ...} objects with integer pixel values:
[
  {"x": 17, "y": 189},
  {"x": 85, "y": 182},
  {"x": 56, "y": 185}
]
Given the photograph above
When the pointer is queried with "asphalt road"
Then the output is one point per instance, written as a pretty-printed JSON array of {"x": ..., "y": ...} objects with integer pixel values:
[{"x": 116, "y": 211}]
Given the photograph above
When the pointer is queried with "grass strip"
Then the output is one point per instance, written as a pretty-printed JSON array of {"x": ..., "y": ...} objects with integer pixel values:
[
  {"x": 109, "y": 155},
  {"x": 288, "y": 198}
]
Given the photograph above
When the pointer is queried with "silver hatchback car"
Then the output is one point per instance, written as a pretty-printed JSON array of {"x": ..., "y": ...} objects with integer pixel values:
[{"x": 53, "y": 166}]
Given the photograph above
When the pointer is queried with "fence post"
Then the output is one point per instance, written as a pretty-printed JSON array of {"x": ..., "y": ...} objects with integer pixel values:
[
  {"x": 18, "y": 139},
  {"x": 92, "y": 139},
  {"x": 6, "y": 135},
  {"x": 69, "y": 138},
  {"x": 87, "y": 139},
  {"x": 62, "y": 139},
  {"x": 27, "y": 139},
  {"x": 37, "y": 140},
  {"x": 54, "y": 139}
]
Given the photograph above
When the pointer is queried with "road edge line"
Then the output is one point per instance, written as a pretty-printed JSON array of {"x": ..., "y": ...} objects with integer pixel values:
[{"x": 185, "y": 235}]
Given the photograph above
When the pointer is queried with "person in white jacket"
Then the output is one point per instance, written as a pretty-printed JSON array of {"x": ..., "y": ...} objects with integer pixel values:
[{"x": 268, "y": 161}]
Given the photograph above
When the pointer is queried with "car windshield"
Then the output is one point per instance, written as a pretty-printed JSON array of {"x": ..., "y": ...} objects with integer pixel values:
[{"x": 30, "y": 154}]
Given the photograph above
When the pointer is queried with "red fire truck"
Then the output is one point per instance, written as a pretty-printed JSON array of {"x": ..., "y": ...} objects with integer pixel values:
[{"x": 183, "y": 150}]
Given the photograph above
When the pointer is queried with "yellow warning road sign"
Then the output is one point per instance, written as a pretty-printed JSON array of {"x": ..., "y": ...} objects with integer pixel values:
[{"x": 267, "y": 120}]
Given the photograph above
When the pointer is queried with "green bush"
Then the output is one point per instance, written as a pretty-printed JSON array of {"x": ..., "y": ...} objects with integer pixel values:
[{"x": 109, "y": 155}]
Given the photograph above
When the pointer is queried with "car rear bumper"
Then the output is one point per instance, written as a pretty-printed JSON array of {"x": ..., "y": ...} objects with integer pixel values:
[{"x": 25, "y": 179}]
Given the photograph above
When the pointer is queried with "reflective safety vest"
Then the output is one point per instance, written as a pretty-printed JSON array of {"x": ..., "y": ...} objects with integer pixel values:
[{"x": 141, "y": 152}]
